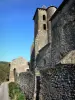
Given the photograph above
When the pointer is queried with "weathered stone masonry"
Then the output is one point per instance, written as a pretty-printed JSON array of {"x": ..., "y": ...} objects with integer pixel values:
[
  {"x": 26, "y": 82},
  {"x": 57, "y": 78},
  {"x": 58, "y": 83},
  {"x": 63, "y": 31},
  {"x": 52, "y": 66}
]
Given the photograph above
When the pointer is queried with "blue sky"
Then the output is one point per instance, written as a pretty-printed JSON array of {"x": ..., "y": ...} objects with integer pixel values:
[{"x": 17, "y": 26}]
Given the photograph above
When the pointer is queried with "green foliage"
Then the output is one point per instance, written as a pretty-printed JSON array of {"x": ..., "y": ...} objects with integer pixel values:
[
  {"x": 15, "y": 92},
  {"x": 20, "y": 97},
  {"x": 4, "y": 71}
]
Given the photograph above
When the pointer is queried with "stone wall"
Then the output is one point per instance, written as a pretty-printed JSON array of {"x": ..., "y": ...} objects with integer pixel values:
[
  {"x": 58, "y": 83},
  {"x": 63, "y": 31},
  {"x": 32, "y": 60},
  {"x": 26, "y": 82},
  {"x": 20, "y": 65},
  {"x": 39, "y": 31},
  {"x": 43, "y": 58},
  {"x": 63, "y": 36}
]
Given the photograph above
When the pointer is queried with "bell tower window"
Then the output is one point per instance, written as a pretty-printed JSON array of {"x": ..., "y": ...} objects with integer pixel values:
[
  {"x": 44, "y": 17},
  {"x": 44, "y": 26}
]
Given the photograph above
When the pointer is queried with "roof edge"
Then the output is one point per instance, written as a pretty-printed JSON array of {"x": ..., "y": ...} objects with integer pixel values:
[
  {"x": 59, "y": 9},
  {"x": 36, "y": 12},
  {"x": 51, "y": 6}
]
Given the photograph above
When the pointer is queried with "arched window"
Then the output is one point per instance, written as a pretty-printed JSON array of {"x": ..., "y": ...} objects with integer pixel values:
[
  {"x": 44, "y": 17},
  {"x": 44, "y": 26}
]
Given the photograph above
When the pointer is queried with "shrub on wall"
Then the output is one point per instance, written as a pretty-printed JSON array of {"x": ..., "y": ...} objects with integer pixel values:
[{"x": 15, "y": 92}]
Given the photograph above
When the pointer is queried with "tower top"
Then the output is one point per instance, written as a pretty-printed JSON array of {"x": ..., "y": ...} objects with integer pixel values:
[{"x": 37, "y": 11}]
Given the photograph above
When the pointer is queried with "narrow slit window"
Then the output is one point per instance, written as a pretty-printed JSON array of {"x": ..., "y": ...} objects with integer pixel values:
[
  {"x": 44, "y": 17},
  {"x": 44, "y": 26}
]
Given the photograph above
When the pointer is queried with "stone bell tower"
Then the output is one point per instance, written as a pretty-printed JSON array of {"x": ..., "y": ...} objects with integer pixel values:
[{"x": 40, "y": 29}]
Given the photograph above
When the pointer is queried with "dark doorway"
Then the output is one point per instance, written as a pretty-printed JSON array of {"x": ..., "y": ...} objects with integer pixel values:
[{"x": 38, "y": 87}]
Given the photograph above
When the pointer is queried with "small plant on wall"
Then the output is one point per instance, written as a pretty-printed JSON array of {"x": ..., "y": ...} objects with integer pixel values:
[{"x": 15, "y": 92}]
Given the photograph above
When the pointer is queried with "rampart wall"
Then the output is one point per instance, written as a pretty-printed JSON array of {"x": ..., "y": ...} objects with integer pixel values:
[{"x": 63, "y": 31}]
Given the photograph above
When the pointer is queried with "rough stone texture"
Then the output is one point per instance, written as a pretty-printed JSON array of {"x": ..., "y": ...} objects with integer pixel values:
[
  {"x": 26, "y": 82},
  {"x": 32, "y": 59},
  {"x": 57, "y": 80},
  {"x": 42, "y": 60},
  {"x": 20, "y": 65},
  {"x": 58, "y": 83},
  {"x": 69, "y": 58},
  {"x": 63, "y": 32},
  {"x": 41, "y": 38},
  {"x": 50, "y": 11}
]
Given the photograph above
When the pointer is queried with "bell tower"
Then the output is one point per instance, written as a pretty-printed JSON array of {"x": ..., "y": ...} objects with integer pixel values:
[{"x": 40, "y": 29}]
